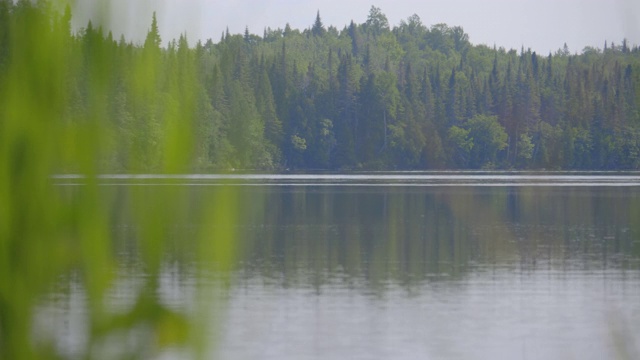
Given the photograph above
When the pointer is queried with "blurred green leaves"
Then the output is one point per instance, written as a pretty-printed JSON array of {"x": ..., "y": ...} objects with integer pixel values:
[{"x": 86, "y": 104}]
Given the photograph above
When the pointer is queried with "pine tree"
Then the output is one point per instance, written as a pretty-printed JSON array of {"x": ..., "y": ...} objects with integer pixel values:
[
  {"x": 153, "y": 39},
  {"x": 318, "y": 29}
]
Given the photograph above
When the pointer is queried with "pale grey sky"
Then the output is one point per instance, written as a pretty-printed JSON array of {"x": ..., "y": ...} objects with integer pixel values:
[{"x": 542, "y": 25}]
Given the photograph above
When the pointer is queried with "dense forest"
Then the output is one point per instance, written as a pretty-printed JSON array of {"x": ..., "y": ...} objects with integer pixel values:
[{"x": 368, "y": 96}]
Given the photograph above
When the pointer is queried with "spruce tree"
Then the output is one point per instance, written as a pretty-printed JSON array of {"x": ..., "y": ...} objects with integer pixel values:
[{"x": 318, "y": 29}]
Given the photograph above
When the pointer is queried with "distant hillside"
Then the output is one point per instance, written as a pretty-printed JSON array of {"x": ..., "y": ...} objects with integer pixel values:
[{"x": 368, "y": 96}]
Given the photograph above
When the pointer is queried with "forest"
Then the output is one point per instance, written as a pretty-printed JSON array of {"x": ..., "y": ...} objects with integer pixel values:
[{"x": 369, "y": 96}]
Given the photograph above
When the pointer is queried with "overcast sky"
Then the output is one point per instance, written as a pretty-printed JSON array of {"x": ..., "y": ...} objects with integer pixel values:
[{"x": 542, "y": 25}]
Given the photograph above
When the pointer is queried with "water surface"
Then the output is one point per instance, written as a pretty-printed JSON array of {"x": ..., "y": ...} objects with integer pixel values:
[{"x": 401, "y": 265}]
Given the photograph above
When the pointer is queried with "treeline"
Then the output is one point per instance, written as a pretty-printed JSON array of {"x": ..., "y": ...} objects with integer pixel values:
[{"x": 369, "y": 96}]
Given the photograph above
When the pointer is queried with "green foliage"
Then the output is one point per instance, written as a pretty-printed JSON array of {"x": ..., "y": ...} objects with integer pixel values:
[
  {"x": 85, "y": 104},
  {"x": 461, "y": 144},
  {"x": 299, "y": 144},
  {"x": 247, "y": 96},
  {"x": 377, "y": 22},
  {"x": 368, "y": 96},
  {"x": 318, "y": 29},
  {"x": 488, "y": 137},
  {"x": 525, "y": 148},
  {"x": 392, "y": 95}
]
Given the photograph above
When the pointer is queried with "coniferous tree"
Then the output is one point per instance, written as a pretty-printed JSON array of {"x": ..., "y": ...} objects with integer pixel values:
[
  {"x": 368, "y": 96},
  {"x": 318, "y": 29}
]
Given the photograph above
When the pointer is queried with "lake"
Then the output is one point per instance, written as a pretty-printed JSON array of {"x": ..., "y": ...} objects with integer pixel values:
[{"x": 443, "y": 265}]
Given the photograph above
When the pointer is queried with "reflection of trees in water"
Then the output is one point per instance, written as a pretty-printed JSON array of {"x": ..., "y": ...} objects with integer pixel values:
[
  {"x": 367, "y": 238},
  {"x": 314, "y": 235},
  {"x": 171, "y": 250},
  {"x": 406, "y": 235}
]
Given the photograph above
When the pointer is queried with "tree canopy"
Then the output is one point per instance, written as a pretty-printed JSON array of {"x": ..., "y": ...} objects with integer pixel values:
[{"x": 369, "y": 96}]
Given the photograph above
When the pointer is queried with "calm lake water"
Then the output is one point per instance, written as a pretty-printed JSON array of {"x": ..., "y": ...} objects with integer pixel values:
[{"x": 456, "y": 265}]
